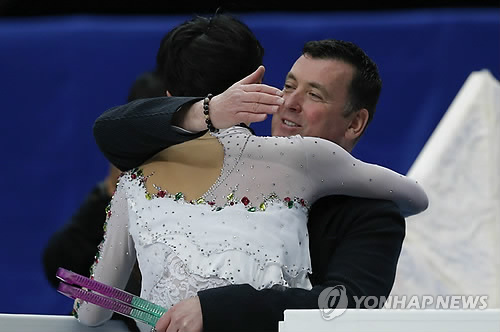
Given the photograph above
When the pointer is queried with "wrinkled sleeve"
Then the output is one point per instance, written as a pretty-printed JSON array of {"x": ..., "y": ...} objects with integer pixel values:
[
  {"x": 130, "y": 134},
  {"x": 114, "y": 260}
]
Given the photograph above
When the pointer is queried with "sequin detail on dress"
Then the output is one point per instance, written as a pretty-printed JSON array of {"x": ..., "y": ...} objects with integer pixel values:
[{"x": 137, "y": 174}]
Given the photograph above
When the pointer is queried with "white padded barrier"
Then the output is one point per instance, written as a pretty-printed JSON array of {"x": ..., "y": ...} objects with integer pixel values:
[
  {"x": 453, "y": 248},
  {"x": 393, "y": 320},
  {"x": 53, "y": 323},
  {"x": 352, "y": 320}
]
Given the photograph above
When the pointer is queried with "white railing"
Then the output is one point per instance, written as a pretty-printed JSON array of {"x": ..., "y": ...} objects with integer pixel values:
[
  {"x": 393, "y": 320},
  {"x": 352, "y": 320},
  {"x": 49, "y": 323}
]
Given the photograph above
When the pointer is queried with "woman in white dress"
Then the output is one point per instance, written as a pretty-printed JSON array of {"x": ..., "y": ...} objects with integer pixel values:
[{"x": 248, "y": 227}]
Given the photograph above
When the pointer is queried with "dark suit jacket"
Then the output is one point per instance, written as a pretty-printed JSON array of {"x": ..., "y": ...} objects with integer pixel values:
[{"x": 354, "y": 242}]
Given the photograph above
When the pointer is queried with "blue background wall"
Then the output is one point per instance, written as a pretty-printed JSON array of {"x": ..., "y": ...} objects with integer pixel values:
[{"x": 57, "y": 74}]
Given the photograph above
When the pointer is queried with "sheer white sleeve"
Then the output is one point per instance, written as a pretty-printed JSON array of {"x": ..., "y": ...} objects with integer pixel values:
[
  {"x": 115, "y": 258},
  {"x": 333, "y": 170}
]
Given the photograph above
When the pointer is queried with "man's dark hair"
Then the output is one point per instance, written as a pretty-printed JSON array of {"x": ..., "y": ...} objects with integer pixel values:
[
  {"x": 366, "y": 84},
  {"x": 207, "y": 55}
]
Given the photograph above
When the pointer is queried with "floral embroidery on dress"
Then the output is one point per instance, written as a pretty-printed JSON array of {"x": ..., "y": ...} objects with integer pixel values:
[{"x": 231, "y": 198}]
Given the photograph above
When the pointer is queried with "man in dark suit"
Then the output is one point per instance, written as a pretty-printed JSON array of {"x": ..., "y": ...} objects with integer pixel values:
[{"x": 330, "y": 92}]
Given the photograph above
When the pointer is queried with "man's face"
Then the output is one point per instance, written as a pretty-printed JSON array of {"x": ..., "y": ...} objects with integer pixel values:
[{"x": 315, "y": 94}]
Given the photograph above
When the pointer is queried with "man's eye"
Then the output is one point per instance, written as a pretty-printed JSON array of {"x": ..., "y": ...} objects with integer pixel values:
[
  {"x": 287, "y": 87},
  {"x": 315, "y": 96}
]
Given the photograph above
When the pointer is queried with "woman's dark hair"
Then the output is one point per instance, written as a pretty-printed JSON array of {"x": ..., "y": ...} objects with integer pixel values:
[{"x": 207, "y": 55}]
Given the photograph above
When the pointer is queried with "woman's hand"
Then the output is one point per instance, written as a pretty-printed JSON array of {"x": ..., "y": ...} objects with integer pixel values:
[
  {"x": 185, "y": 316},
  {"x": 246, "y": 101}
]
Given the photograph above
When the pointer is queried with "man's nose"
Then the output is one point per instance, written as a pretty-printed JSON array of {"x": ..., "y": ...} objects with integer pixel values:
[{"x": 293, "y": 101}]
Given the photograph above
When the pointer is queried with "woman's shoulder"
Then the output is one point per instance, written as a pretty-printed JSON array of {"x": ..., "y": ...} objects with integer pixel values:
[{"x": 234, "y": 130}]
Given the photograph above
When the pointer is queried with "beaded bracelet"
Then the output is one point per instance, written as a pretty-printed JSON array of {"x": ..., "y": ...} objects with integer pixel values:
[{"x": 209, "y": 123}]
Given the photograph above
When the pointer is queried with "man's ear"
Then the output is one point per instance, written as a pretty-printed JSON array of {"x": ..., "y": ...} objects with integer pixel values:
[{"x": 357, "y": 124}]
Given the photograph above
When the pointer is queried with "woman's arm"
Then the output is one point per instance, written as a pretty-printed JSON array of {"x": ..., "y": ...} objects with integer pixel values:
[
  {"x": 334, "y": 171},
  {"x": 114, "y": 260}
]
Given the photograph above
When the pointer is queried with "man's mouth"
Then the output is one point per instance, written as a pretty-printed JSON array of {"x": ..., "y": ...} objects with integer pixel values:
[{"x": 290, "y": 123}]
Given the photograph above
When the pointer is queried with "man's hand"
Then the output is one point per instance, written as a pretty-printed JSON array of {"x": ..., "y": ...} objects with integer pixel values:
[
  {"x": 245, "y": 101},
  {"x": 185, "y": 316}
]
